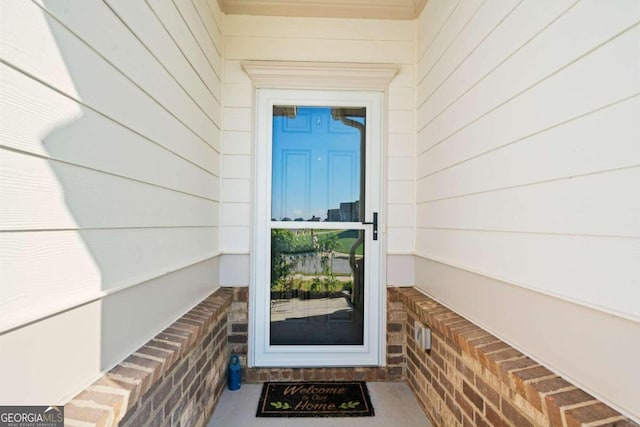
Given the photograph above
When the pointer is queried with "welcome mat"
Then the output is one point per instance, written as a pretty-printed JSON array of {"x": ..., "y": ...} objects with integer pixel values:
[{"x": 315, "y": 399}]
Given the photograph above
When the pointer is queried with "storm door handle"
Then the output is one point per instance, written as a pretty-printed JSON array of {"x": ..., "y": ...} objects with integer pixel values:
[{"x": 375, "y": 225}]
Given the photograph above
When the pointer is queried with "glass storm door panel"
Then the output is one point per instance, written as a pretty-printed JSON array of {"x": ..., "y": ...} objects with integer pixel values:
[
  {"x": 314, "y": 295},
  {"x": 317, "y": 279},
  {"x": 317, "y": 166}
]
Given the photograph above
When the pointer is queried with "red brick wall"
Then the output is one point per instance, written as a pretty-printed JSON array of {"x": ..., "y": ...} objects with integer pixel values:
[
  {"x": 471, "y": 378},
  {"x": 468, "y": 378},
  {"x": 174, "y": 379}
]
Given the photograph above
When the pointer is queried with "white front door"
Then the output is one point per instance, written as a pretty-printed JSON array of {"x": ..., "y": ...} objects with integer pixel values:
[{"x": 317, "y": 296}]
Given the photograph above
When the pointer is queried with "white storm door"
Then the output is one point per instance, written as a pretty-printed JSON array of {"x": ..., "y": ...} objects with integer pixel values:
[{"x": 317, "y": 295}]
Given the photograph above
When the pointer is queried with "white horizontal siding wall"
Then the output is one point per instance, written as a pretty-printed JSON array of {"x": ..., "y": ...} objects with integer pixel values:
[
  {"x": 527, "y": 175},
  {"x": 109, "y": 182},
  {"x": 315, "y": 39}
]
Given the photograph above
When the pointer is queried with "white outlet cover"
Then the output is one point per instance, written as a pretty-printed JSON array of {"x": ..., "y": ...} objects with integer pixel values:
[
  {"x": 426, "y": 338},
  {"x": 418, "y": 333},
  {"x": 422, "y": 335}
]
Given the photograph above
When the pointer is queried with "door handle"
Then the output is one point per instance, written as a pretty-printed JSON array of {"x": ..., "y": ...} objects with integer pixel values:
[{"x": 375, "y": 225}]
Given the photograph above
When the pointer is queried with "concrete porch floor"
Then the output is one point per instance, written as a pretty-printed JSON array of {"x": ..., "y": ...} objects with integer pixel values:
[{"x": 394, "y": 404}]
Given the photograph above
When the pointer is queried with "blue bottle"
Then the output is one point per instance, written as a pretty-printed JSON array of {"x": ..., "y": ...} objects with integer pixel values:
[{"x": 234, "y": 372}]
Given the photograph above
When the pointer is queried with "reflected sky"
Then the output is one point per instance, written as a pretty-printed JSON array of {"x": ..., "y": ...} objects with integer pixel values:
[{"x": 315, "y": 165}]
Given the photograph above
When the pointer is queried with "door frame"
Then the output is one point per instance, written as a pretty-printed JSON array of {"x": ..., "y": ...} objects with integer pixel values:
[{"x": 260, "y": 352}]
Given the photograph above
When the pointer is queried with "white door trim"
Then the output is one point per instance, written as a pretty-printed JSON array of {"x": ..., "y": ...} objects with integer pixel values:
[{"x": 261, "y": 353}]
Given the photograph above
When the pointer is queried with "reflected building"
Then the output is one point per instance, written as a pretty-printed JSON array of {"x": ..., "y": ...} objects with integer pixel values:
[
  {"x": 348, "y": 212},
  {"x": 333, "y": 215}
]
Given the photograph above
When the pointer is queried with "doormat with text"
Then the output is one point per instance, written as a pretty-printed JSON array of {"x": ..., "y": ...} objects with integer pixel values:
[{"x": 315, "y": 399}]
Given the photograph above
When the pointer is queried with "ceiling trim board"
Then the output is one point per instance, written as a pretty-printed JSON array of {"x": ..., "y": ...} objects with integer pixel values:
[{"x": 372, "y": 9}]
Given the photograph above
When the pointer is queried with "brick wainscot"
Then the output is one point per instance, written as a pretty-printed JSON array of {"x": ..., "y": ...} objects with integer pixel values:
[
  {"x": 471, "y": 378},
  {"x": 468, "y": 378}
]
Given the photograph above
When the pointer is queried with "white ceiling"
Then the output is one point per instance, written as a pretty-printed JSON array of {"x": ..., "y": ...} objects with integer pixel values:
[{"x": 372, "y": 9}]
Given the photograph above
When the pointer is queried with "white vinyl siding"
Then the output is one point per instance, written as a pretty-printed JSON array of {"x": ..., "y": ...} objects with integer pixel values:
[
  {"x": 110, "y": 181},
  {"x": 527, "y": 168}
]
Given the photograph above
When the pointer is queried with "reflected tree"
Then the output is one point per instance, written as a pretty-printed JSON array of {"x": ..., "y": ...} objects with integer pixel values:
[{"x": 281, "y": 265}]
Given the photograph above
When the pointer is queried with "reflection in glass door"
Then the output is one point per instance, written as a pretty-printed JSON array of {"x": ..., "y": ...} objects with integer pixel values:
[
  {"x": 317, "y": 299},
  {"x": 317, "y": 273}
]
